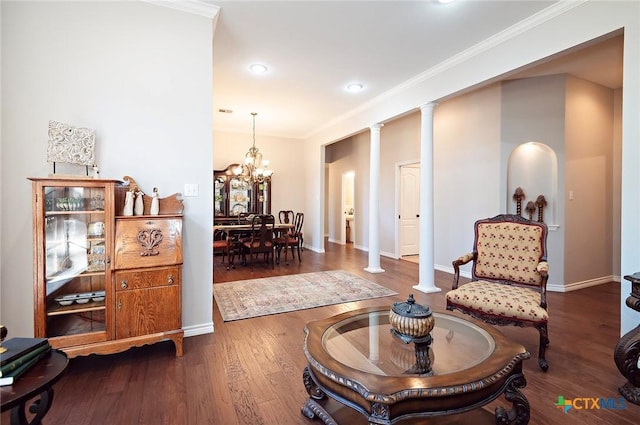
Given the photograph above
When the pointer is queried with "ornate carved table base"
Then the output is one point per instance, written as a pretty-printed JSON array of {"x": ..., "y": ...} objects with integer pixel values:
[
  {"x": 380, "y": 412},
  {"x": 40, "y": 407},
  {"x": 627, "y": 352}
]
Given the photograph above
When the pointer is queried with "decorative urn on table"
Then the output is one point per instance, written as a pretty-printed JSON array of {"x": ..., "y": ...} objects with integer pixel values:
[{"x": 413, "y": 322}]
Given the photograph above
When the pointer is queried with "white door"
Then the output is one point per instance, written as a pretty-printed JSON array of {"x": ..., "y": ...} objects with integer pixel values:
[{"x": 410, "y": 209}]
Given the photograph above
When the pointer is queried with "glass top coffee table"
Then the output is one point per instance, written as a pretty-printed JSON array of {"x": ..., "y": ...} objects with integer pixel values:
[{"x": 356, "y": 360}]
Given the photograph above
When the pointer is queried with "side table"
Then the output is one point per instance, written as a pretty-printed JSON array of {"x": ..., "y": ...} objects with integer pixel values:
[
  {"x": 627, "y": 351},
  {"x": 37, "y": 381}
]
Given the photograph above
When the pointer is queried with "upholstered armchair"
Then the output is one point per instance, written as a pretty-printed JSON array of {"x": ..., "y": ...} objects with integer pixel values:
[{"x": 508, "y": 276}]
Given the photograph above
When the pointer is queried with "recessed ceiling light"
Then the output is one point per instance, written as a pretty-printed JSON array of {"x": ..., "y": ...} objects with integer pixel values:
[
  {"x": 354, "y": 87},
  {"x": 258, "y": 68}
]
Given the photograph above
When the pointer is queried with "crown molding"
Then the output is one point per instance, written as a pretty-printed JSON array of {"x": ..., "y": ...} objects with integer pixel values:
[
  {"x": 195, "y": 7},
  {"x": 521, "y": 27}
]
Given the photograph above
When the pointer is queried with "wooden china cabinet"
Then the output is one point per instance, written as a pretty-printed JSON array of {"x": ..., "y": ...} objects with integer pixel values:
[
  {"x": 104, "y": 282},
  {"x": 233, "y": 196}
]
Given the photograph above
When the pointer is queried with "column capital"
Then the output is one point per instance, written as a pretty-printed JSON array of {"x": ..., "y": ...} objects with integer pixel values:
[
  {"x": 376, "y": 126},
  {"x": 428, "y": 106}
]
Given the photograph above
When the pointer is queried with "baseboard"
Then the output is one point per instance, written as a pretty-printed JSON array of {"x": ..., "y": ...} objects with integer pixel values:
[
  {"x": 202, "y": 329},
  {"x": 314, "y": 249},
  {"x": 550, "y": 287},
  {"x": 389, "y": 255},
  {"x": 568, "y": 287}
]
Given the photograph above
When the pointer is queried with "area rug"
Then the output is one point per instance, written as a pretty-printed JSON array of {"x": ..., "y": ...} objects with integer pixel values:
[{"x": 272, "y": 295}]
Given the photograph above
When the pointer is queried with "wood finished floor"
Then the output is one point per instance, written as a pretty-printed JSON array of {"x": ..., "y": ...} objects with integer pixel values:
[{"x": 249, "y": 372}]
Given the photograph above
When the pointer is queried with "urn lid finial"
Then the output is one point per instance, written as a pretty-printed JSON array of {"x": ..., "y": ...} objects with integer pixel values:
[{"x": 410, "y": 308}]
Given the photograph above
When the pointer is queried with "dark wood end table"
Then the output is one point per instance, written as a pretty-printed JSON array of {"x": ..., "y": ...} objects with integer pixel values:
[
  {"x": 37, "y": 381},
  {"x": 354, "y": 359}
]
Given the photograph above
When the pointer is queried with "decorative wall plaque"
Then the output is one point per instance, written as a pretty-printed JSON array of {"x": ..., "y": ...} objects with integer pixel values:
[{"x": 70, "y": 144}]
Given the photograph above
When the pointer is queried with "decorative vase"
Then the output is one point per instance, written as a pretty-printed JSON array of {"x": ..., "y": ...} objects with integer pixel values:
[
  {"x": 138, "y": 209},
  {"x": 411, "y": 321},
  {"x": 128, "y": 204},
  {"x": 155, "y": 202}
]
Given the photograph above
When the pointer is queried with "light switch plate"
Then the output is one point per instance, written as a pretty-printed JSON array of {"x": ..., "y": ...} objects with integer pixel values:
[{"x": 190, "y": 189}]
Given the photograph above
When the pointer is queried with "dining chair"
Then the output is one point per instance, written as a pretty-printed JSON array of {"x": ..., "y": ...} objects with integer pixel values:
[
  {"x": 261, "y": 240},
  {"x": 285, "y": 216},
  {"x": 221, "y": 244},
  {"x": 293, "y": 238}
]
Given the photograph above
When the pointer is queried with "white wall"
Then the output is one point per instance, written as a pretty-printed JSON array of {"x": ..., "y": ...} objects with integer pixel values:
[{"x": 141, "y": 76}]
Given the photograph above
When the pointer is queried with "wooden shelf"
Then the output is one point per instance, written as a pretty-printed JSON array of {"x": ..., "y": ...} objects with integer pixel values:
[
  {"x": 76, "y": 308},
  {"x": 78, "y": 212}
]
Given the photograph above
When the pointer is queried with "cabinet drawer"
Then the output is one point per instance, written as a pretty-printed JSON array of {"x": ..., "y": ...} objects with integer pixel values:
[
  {"x": 148, "y": 242},
  {"x": 128, "y": 280}
]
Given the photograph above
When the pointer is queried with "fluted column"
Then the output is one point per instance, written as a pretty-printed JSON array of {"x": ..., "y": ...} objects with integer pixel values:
[
  {"x": 374, "y": 202},
  {"x": 426, "y": 282}
]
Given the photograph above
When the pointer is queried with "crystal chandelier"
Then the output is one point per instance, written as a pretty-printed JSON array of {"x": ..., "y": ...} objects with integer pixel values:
[{"x": 254, "y": 168}]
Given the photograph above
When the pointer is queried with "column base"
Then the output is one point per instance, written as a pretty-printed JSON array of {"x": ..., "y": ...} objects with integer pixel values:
[
  {"x": 374, "y": 270},
  {"x": 426, "y": 288}
]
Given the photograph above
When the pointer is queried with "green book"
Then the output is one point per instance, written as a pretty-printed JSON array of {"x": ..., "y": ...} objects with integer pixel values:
[
  {"x": 11, "y": 378},
  {"x": 16, "y": 363}
]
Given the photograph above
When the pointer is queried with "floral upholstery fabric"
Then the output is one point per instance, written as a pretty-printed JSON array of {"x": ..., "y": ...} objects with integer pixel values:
[
  {"x": 500, "y": 300},
  {"x": 509, "y": 251}
]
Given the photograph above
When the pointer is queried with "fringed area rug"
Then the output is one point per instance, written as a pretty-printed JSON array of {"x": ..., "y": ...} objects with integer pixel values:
[{"x": 271, "y": 295}]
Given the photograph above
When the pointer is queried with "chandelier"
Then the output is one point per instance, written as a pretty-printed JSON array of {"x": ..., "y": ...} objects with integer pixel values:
[{"x": 254, "y": 168}]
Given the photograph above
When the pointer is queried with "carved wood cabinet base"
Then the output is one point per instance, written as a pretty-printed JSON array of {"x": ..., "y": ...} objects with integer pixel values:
[{"x": 119, "y": 345}]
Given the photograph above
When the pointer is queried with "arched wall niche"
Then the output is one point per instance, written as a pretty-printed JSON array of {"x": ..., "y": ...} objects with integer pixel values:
[{"x": 533, "y": 166}]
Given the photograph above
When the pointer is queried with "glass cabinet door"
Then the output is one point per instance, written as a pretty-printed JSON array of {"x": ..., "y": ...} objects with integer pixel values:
[
  {"x": 75, "y": 259},
  {"x": 219, "y": 196},
  {"x": 240, "y": 196}
]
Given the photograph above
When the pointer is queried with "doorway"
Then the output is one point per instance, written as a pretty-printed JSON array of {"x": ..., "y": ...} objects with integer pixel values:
[
  {"x": 347, "y": 204},
  {"x": 409, "y": 211}
]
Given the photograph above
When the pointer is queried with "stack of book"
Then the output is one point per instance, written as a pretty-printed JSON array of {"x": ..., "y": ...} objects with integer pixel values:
[{"x": 20, "y": 355}]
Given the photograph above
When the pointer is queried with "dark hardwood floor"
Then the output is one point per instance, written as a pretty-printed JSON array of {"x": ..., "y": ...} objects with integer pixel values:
[{"x": 249, "y": 372}]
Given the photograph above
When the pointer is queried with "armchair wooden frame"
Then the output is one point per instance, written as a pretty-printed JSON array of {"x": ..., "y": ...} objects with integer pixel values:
[{"x": 508, "y": 277}]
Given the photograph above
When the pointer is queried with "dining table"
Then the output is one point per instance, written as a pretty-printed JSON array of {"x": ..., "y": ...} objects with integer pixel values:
[{"x": 233, "y": 230}]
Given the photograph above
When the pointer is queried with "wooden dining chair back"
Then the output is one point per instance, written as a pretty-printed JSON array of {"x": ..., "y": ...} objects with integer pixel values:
[
  {"x": 292, "y": 238},
  {"x": 298, "y": 221},
  {"x": 261, "y": 240},
  {"x": 285, "y": 217}
]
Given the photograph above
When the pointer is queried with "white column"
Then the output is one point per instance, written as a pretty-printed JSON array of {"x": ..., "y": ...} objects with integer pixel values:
[
  {"x": 426, "y": 267},
  {"x": 374, "y": 203}
]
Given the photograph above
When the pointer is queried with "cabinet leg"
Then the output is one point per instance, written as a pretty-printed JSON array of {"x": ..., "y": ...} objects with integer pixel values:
[{"x": 177, "y": 341}]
